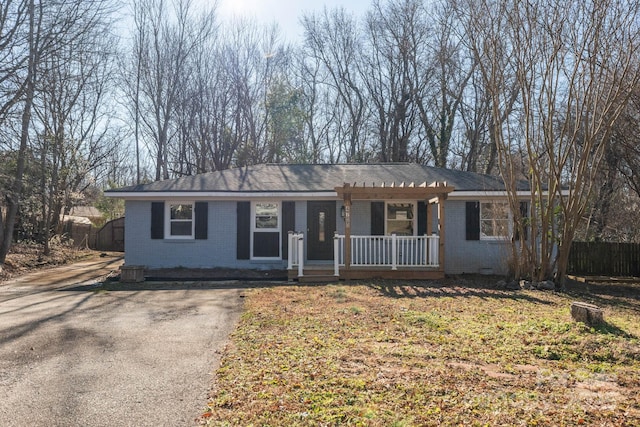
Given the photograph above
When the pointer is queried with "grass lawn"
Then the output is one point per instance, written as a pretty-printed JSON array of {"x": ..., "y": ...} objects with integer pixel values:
[{"x": 403, "y": 354}]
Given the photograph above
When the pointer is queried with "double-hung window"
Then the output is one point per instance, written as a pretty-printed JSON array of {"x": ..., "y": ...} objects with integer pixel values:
[
  {"x": 180, "y": 222},
  {"x": 266, "y": 216},
  {"x": 265, "y": 242},
  {"x": 400, "y": 218},
  {"x": 495, "y": 220}
]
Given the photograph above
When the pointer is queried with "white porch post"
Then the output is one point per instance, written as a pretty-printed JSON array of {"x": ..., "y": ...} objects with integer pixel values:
[
  {"x": 301, "y": 255},
  {"x": 441, "y": 234},
  {"x": 290, "y": 249},
  {"x": 425, "y": 257},
  {"x": 347, "y": 230},
  {"x": 394, "y": 252},
  {"x": 336, "y": 255},
  {"x": 434, "y": 244}
]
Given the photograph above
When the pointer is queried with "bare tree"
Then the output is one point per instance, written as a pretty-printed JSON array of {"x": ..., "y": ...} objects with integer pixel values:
[
  {"x": 474, "y": 142},
  {"x": 440, "y": 77},
  {"x": 40, "y": 32},
  {"x": 331, "y": 39},
  {"x": 611, "y": 211},
  {"x": 166, "y": 39},
  {"x": 14, "y": 56},
  {"x": 477, "y": 150},
  {"x": 575, "y": 67},
  {"x": 33, "y": 49},
  {"x": 401, "y": 79},
  {"x": 71, "y": 121},
  {"x": 395, "y": 32},
  {"x": 255, "y": 60},
  {"x": 320, "y": 111},
  {"x": 140, "y": 44},
  {"x": 222, "y": 113},
  {"x": 627, "y": 148}
]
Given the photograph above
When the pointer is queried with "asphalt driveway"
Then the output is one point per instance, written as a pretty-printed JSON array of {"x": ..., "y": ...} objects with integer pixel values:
[{"x": 72, "y": 356}]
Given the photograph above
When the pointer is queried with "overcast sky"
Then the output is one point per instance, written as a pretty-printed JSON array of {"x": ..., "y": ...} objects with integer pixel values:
[{"x": 286, "y": 12}]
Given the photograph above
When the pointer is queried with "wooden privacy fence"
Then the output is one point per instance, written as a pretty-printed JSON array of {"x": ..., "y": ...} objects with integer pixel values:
[
  {"x": 604, "y": 259},
  {"x": 111, "y": 236}
]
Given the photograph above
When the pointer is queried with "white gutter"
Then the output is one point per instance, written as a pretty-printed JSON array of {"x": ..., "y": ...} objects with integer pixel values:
[
  {"x": 283, "y": 195},
  {"x": 489, "y": 194},
  {"x": 154, "y": 195}
]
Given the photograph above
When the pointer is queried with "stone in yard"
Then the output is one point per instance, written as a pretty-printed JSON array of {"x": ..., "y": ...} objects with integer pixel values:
[
  {"x": 501, "y": 284},
  {"x": 525, "y": 284},
  {"x": 513, "y": 285},
  {"x": 586, "y": 313},
  {"x": 546, "y": 285}
]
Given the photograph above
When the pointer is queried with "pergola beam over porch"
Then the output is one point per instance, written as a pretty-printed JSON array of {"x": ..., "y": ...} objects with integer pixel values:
[
  {"x": 435, "y": 192},
  {"x": 389, "y": 191}
]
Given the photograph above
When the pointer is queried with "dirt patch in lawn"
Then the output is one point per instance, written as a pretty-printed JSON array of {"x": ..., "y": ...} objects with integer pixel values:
[{"x": 445, "y": 353}]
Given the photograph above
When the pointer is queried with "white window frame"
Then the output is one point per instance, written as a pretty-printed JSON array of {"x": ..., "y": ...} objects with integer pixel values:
[
  {"x": 168, "y": 220},
  {"x": 277, "y": 229},
  {"x": 509, "y": 219},
  {"x": 414, "y": 223}
]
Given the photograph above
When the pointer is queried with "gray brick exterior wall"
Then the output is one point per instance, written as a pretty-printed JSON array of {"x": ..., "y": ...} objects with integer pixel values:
[
  {"x": 470, "y": 256},
  {"x": 219, "y": 250}
]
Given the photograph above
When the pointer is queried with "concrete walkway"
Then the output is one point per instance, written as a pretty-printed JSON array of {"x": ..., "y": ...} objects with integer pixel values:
[{"x": 76, "y": 357}]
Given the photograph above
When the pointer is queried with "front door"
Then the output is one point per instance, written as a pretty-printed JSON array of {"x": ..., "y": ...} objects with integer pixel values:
[{"x": 321, "y": 223}]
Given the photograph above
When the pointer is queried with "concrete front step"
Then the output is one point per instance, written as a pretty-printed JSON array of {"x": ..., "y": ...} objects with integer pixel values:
[
  {"x": 318, "y": 278},
  {"x": 313, "y": 271}
]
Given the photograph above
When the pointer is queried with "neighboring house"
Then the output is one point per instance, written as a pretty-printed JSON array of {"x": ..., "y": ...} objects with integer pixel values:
[
  {"x": 79, "y": 225},
  {"x": 352, "y": 220},
  {"x": 90, "y": 212}
]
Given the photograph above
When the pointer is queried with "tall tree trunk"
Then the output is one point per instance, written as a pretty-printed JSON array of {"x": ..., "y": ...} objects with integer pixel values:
[{"x": 13, "y": 199}]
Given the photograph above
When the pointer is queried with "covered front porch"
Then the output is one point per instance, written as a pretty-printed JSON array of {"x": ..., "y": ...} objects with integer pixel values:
[{"x": 389, "y": 255}]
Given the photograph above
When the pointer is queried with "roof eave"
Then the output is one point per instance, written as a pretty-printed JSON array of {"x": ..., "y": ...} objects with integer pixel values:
[
  {"x": 149, "y": 195},
  {"x": 467, "y": 194}
]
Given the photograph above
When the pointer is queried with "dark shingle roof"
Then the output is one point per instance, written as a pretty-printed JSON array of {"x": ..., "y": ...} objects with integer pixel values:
[{"x": 318, "y": 178}]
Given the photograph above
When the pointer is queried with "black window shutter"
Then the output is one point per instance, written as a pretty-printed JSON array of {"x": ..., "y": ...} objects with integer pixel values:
[
  {"x": 202, "y": 220},
  {"x": 288, "y": 224},
  {"x": 524, "y": 213},
  {"x": 377, "y": 218},
  {"x": 473, "y": 220},
  {"x": 422, "y": 218},
  {"x": 243, "y": 232},
  {"x": 157, "y": 220}
]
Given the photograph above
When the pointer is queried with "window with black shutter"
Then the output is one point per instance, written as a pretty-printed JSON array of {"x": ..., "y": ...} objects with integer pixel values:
[
  {"x": 265, "y": 229},
  {"x": 179, "y": 220}
]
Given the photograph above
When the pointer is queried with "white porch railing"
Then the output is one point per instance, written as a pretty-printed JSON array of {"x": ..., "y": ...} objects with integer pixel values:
[
  {"x": 390, "y": 251},
  {"x": 373, "y": 251}
]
